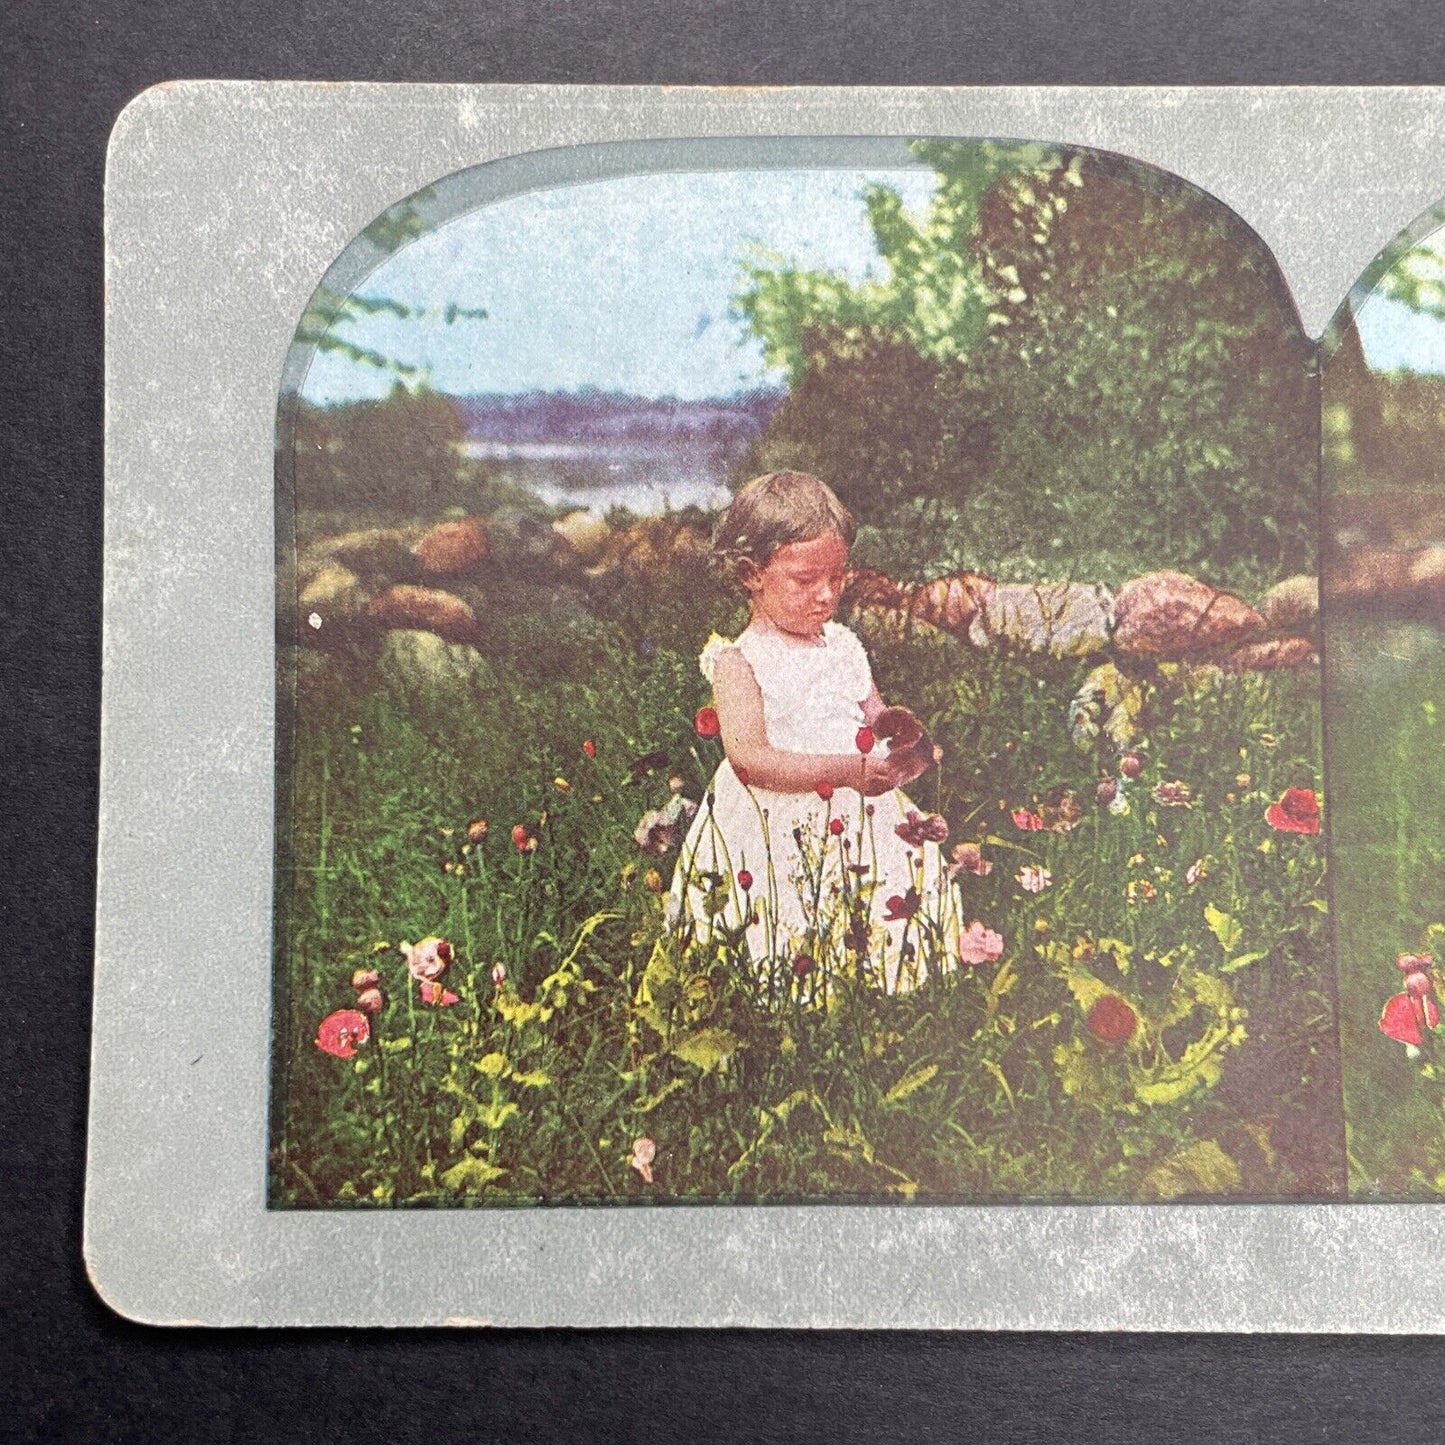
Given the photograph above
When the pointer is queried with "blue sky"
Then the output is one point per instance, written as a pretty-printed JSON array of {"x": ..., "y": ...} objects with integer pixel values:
[
  {"x": 1394, "y": 337},
  {"x": 622, "y": 284}
]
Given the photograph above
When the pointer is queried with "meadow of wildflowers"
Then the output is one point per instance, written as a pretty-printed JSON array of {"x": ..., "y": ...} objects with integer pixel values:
[{"x": 484, "y": 997}]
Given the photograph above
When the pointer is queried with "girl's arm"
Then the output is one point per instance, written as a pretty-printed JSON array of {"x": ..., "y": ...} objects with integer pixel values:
[{"x": 739, "y": 703}]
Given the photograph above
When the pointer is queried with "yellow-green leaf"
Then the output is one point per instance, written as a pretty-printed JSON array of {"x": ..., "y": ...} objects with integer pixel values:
[
  {"x": 1243, "y": 961},
  {"x": 1202, "y": 1168},
  {"x": 1226, "y": 929},
  {"x": 708, "y": 1049},
  {"x": 471, "y": 1176},
  {"x": 493, "y": 1065},
  {"x": 535, "y": 1079},
  {"x": 910, "y": 1083}
]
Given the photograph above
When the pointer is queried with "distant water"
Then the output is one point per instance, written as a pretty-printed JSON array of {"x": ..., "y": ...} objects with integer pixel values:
[{"x": 597, "y": 477}]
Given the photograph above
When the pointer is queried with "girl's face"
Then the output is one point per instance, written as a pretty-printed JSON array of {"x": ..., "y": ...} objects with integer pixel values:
[{"x": 797, "y": 590}]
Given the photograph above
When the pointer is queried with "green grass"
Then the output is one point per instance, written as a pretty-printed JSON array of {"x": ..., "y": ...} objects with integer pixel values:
[
  {"x": 984, "y": 1085},
  {"x": 1386, "y": 710}
]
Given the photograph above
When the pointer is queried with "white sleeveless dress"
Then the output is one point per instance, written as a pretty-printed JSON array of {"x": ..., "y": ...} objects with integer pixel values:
[{"x": 818, "y": 899}]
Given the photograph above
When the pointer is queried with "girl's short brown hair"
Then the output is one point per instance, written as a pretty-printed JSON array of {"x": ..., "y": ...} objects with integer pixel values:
[{"x": 772, "y": 510}]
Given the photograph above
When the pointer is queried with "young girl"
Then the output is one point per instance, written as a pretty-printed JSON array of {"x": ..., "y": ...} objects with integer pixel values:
[{"x": 805, "y": 847}]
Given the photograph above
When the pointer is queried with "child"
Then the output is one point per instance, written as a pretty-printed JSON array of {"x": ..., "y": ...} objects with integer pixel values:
[{"x": 804, "y": 846}]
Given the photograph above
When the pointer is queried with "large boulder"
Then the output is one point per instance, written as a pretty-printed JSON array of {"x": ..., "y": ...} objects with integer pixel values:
[
  {"x": 1168, "y": 616},
  {"x": 415, "y": 662},
  {"x": 884, "y": 607},
  {"x": 582, "y": 538},
  {"x": 1291, "y": 605},
  {"x": 1067, "y": 619},
  {"x": 374, "y": 552},
  {"x": 334, "y": 593},
  {"x": 424, "y": 609},
  {"x": 1276, "y": 653},
  {"x": 453, "y": 547}
]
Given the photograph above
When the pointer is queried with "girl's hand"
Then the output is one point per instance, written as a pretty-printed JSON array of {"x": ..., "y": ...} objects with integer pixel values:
[{"x": 882, "y": 774}]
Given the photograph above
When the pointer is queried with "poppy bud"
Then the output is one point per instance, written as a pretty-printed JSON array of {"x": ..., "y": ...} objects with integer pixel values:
[
  {"x": 745, "y": 879},
  {"x": 590, "y": 748},
  {"x": 836, "y": 827},
  {"x": 802, "y": 966},
  {"x": 825, "y": 791},
  {"x": 371, "y": 1001},
  {"x": 499, "y": 974},
  {"x": 521, "y": 837},
  {"x": 864, "y": 740},
  {"x": 365, "y": 978},
  {"x": 706, "y": 722},
  {"x": 477, "y": 830},
  {"x": 1106, "y": 792},
  {"x": 1131, "y": 765}
]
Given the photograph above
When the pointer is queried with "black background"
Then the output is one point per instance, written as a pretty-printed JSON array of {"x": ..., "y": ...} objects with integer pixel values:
[{"x": 74, "y": 1371}]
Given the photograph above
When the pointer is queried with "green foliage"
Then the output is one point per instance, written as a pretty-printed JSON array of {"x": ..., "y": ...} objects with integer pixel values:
[
  {"x": 399, "y": 456},
  {"x": 1072, "y": 369}
]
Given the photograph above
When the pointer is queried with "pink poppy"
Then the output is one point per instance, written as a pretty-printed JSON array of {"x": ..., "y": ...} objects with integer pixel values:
[
  {"x": 590, "y": 748},
  {"x": 437, "y": 996},
  {"x": 428, "y": 960},
  {"x": 902, "y": 907},
  {"x": 979, "y": 944},
  {"x": 1297, "y": 811},
  {"x": 1025, "y": 821},
  {"x": 1033, "y": 879},
  {"x": 644, "y": 1151},
  {"x": 918, "y": 830},
  {"x": 339, "y": 1032},
  {"x": 1131, "y": 765},
  {"x": 365, "y": 978},
  {"x": 1173, "y": 795},
  {"x": 968, "y": 858},
  {"x": 499, "y": 974}
]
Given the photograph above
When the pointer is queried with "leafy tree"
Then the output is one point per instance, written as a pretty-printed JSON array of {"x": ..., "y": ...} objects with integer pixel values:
[
  {"x": 331, "y": 312},
  {"x": 1108, "y": 376},
  {"x": 1152, "y": 393}
]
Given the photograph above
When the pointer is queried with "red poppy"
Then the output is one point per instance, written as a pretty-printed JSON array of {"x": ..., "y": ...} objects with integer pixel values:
[
  {"x": 1111, "y": 1020},
  {"x": 825, "y": 791},
  {"x": 864, "y": 740},
  {"x": 835, "y": 827},
  {"x": 339, "y": 1032},
  {"x": 1298, "y": 811},
  {"x": 918, "y": 830},
  {"x": 437, "y": 996},
  {"x": 899, "y": 727},
  {"x": 1402, "y": 1017},
  {"x": 590, "y": 748},
  {"x": 706, "y": 722},
  {"x": 523, "y": 839},
  {"x": 745, "y": 879},
  {"x": 900, "y": 908},
  {"x": 1025, "y": 821}
]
